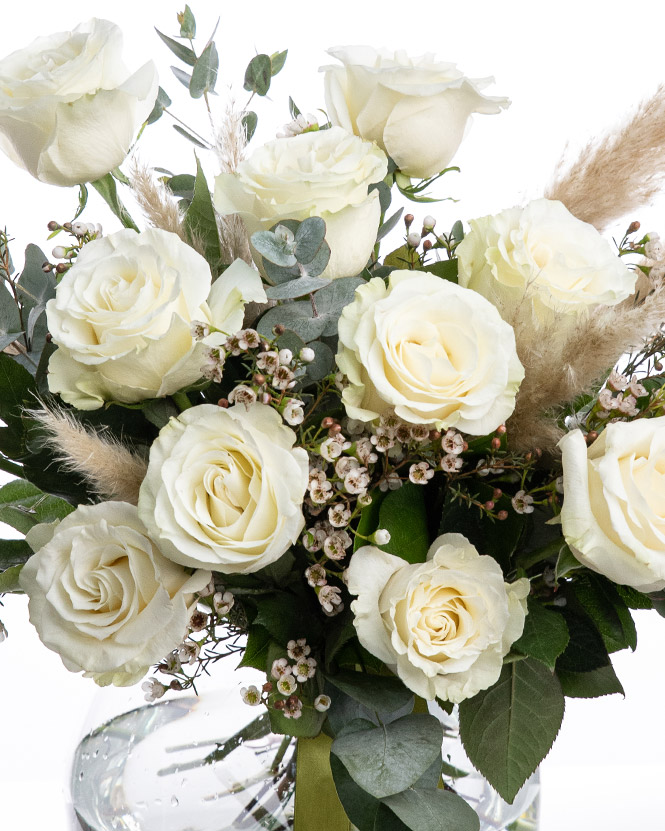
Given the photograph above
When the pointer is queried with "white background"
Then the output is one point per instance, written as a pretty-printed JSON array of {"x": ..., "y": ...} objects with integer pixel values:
[{"x": 572, "y": 70}]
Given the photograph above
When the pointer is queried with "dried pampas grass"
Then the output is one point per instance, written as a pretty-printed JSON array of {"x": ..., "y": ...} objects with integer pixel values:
[
  {"x": 158, "y": 204},
  {"x": 106, "y": 465},
  {"x": 560, "y": 366},
  {"x": 618, "y": 174},
  {"x": 230, "y": 143}
]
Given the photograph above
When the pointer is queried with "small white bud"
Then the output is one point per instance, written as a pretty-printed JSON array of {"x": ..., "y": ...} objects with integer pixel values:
[
  {"x": 59, "y": 252},
  {"x": 413, "y": 239},
  {"x": 92, "y": 229},
  {"x": 79, "y": 229},
  {"x": 381, "y": 536},
  {"x": 285, "y": 356},
  {"x": 307, "y": 354},
  {"x": 429, "y": 222}
]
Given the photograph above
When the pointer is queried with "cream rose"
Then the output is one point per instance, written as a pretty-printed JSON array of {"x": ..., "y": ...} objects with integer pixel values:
[
  {"x": 435, "y": 352},
  {"x": 444, "y": 625},
  {"x": 416, "y": 109},
  {"x": 122, "y": 316},
  {"x": 224, "y": 488},
  {"x": 102, "y": 595},
  {"x": 69, "y": 108},
  {"x": 325, "y": 173},
  {"x": 613, "y": 514},
  {"x": 542, "y": 253}
]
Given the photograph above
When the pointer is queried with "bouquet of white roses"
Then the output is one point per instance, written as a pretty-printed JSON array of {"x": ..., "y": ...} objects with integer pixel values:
[{"x": 383, "y": 479}]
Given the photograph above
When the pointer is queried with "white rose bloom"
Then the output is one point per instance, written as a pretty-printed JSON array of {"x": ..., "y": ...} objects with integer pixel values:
[
  {"x": 542, "y": 252},
  {"x": 122, "y": 317},
  {"x": 435, "y": 352},
  {"x": 416, "y": 109},
  {"x": 69, "y": 108},
  {"x": 445, "y": 625},
  {"x": 103, "y": 596},
  {"x": 613, "y": 514},
  {"x": 224, "y": 488},
  {"x": 325, "y": 173}
]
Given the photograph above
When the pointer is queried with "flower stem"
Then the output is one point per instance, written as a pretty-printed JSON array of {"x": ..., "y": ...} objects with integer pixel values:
[{"x": 181, "y": 401}]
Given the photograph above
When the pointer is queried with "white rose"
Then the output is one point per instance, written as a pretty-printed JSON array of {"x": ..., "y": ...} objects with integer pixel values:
[
  {"x": 325, "y": 173},
  {"x": 224, "y": 488},
  {"x": 542, "y": 252},
  {"x": 444, "y": 625},
  {"x": 416, "y": 109},
  {"x": 433, "y": 351},
  {"x": 122, "y": 317},
  {"x": 69, "y": 108},
  {"x": 104, "y": 597},
  {"x": 613, "y": 514}
]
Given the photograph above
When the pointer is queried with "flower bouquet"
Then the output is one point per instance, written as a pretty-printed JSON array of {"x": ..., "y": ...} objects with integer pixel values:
[{"x": 395, "y": 478}]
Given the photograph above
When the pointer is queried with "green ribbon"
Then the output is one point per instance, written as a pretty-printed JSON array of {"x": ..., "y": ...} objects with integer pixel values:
[{"x": 317, "y": 804}]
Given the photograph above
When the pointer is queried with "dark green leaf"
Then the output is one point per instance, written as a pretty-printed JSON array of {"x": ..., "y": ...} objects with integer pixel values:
[
  {"x": 34, "y": 289},
  {"x": 161, "y": 103},
  {"x": 277, "y": 60},
  {"x": 200, "y": 222},
  {"x": 601, "y": 601},
  {"x": 9, "y": 579},
  {"x": 179, "y": 49},
  {"x": 17, "y": 390},
  {"x": 545, "y": 634},
  {"x": 585, "y": 650},
  {"x": 258, "y": 75},
  {"x": 457, "y": 231},
  {"x": 390, "y": 758},
  {"x": 369, "y": 518},
  {"x": 376, "y": 692},
  {"x": 107, "y": 189},
  {"x": 182, "y": 185},
  {"x": 289, "y": 340},
  {"x": 385, "y": 198},
  {"x": 338, "y": 633},
  {"x": 286, "y": 618},
  {"x": 634, "y": 599},
  {"x": 566, "y": 563},
  {"x": 296, "y": 288},
  {"x": 184, "y": 77},
  {"x": 249, "y": 121},
  {"x": 446, "y": 269},
  {"x": 309, "y": 238},
  {"x": 404, "y": 515},
  {"x": 14, "y": 553},
  {"x": 508, "y": 729},
  {"x": 187, "y": 24},
  {"x": 597, "y": 682},
  {"x": 204, "y": 74},
  {"x": 23, "y": 505},
  {"x": 323, "y": 363},
  {"x": 160, "y": 411},
  {"x": 433, "y": 810},
  {"x": 365, "y": 811},
  {"x": 186, "y": 134},
  {"x": 293, "y": 109},
  {"x": 256, "y": 651}
]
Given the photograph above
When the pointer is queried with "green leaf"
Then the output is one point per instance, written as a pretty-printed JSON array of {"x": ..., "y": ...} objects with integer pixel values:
[
  {"x": 9, "y": 580},
  {"x": 389, "y": 224},
  {"x": 277, "y": 60},
  {"x": 14, "y": 553},
  {"x": 318, "y": 264},
  {"x": 365, "y": 811},
  {"x": 184, "y": 77},
  {"x": 107, "y": 189},
  {"x": 249, "y": 121},
  {"x": 286, "y": 618},
  {"x": 385, "y": 198},
  {"x": 182, "y": 185},
  {"x": 256, "y": 650},
  {"x": 446, "y": 269},
  {"x": 330, "y": 301},
  {"x": 323, "y": 363},
  {"x": 457, "y": 231},
  {"x": 508, "y": 729},
  {"x": 309, "y": 238},
  {"x": 380, "y": 693},
  {"x": 296, "y": 288},
  {"x": 186, "y": 134},
  {"x": 566, "y": 563},
  {"x": 369, "y": 518},
  {"x": 17, "y": 390},
  {"x": 634, "y": 599},
  {"x": 295, "y": 316},
  {"x": 392, "y": 757},
  {"x": 602, "y": 602},
  {"x": 200, "y": 222},
  {"x": 293, "y": 109},
  {"x": 34, "y": 289},
  {"x": 433, "y": 810},
  {"x": 161, "y": 103},
  {"x": 404, "y": 515},
  {"x": 545, "y": 634},
  {"x": 10, "y": 321},
  {"x": 275, "y": 248},
  {"x": 187, "y": 24},
  {"x": 258, "y": 75},
  {"x": 204, "y": 74},
  {"x": 602, "y": 681},
  {"x": 585, "y": 650},
  {"x": 179, "y": 49}
]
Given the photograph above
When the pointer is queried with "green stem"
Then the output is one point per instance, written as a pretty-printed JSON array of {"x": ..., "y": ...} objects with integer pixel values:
[
  {"x": 181, "y": 401},
  {"x": 545, "y": 553},
  {"x": 284, "y": 746},
  {"x": 10, "y": 467}
]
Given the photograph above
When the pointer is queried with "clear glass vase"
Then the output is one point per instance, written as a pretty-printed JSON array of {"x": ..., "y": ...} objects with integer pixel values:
[{"x": 210, "y": 764}]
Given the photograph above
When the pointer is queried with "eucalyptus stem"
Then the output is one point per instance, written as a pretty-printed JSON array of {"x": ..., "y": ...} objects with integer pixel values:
[{"x": 284, "y": 746}]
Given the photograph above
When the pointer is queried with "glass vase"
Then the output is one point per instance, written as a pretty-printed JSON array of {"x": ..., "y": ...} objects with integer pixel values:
[{"x": 210, "y": 763}]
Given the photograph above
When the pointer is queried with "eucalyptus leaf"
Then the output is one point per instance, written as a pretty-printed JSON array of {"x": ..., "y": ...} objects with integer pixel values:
[
  {"x": 277, "y": 60},
  {"x": 179, "y": 49},
  {"x": 204, "y": 74},
  {"x": 508, "y": 729},
  {"x": 308, "y": 238},
  {"x": 330, "y": 301},
  {"x": 376, "y": 692},
  {"x": 184, "y": 77},
  {"x": 392, "y": 757},
  {"x": 187, "y": 24},
  {"x": 295, "y": 316},
  {"x": 433, "y": 810},
  {"x": 323, "y": 363},
  {"x": 274, "y": 248},
  {"x": 189, "y": 136},
  {"x": 296, "y": 288},
  {"x": 365, "y": 811},
  {"x": 10, "y": 320},
  {"x": 385, "y": 195},
  {"x": 457, "y": 231},
  {"x": 249, "y": 121},
  {"x": 182, "y": 185},
  {"x": 389, "y": 224},
  {"x": 278, "y": 274},
  {"x": 319, "y": 263},
  {"x": 293, "y": 109},
  {"x": 258, "y": 75},
  {"x": 9, "y": 579}
]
